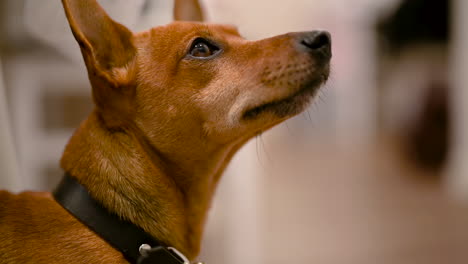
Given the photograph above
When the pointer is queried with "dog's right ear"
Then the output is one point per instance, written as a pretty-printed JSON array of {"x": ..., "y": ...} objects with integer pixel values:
[
  {"x": 105, "y": 44},
  {"x": 188, "y": 10}
]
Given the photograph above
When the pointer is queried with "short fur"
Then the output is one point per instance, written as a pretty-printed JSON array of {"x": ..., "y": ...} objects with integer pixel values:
[{"x": 164, "y": 128}]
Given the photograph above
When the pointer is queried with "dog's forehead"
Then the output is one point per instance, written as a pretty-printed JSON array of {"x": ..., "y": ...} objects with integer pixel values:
[
  {"x": 203, "y": 28},
  {"x": 189, "y": 30}
]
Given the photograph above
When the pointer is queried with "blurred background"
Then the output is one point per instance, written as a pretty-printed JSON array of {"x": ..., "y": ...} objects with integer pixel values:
[{"x": 376, "y": 171}]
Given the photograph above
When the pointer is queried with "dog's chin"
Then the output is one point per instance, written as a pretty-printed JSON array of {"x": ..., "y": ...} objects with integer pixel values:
[{"x": 291, "y": 105}]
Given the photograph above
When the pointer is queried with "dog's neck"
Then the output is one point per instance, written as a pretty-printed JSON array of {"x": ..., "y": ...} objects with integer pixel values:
[{"x": 168, "y": 198}]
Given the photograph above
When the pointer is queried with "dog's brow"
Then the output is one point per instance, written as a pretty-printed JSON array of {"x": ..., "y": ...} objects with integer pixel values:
[
  {"x": 206, "y": 32},
  {"x": 212, "y": 30}
]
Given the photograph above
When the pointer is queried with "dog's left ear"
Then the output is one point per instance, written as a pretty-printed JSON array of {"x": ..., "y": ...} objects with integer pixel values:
[
  {"x": 105, "y": 44},
  {"x": 188, "y": 10}
]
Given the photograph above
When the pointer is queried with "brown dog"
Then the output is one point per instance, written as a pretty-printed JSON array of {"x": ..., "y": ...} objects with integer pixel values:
[{"x": 173, "y": 105}]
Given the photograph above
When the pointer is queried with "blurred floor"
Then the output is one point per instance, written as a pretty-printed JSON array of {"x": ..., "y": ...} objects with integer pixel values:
[{"x": 326, "y": 204}]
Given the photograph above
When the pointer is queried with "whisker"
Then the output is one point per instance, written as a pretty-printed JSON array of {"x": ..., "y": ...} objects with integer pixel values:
[
  {"x": 264, "y": 149},
  {"x": 308, "y": 115},
  {"x": 289, "y": 129}
]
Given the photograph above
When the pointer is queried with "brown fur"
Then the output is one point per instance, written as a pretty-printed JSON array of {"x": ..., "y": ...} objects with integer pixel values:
[{"x": 163, "y": 131}]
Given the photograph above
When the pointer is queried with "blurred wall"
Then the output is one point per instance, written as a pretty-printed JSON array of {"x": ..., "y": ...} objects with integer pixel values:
[
  {"x": 8, "y": 169},
  {"x": 458, "y": 183}
]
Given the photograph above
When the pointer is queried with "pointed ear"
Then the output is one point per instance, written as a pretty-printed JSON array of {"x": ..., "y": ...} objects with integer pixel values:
[
  {"x": 105, "y": 44},
  {"x": 188, "y": 10}
]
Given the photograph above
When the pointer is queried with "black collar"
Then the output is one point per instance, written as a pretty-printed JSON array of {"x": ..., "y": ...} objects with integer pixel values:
[{"x": 135, "y": 244}]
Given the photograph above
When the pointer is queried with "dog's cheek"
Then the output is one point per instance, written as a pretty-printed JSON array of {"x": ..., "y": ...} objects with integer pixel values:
[{"x": 195, "y": 75}]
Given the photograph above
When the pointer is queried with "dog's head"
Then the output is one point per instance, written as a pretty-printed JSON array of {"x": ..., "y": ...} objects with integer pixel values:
[{"x": 189, "y": 81}]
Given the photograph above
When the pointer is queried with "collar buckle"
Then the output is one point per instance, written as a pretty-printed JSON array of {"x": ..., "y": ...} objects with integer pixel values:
[
  {"x": 150, "y": 254},
  {"x": 179, "y": 254},
  {"x": 182, "y": 256}
]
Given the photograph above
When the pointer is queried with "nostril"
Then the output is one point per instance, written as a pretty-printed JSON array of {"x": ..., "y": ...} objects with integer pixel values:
[{"x": 317, "y": 41}]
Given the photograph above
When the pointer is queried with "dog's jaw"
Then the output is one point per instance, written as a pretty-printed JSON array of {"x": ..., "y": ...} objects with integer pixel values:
[{"x": 290, "y": 105}]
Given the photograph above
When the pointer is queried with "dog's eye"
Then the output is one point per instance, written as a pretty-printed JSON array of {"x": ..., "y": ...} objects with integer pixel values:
[{"x": 201, "y": 48}]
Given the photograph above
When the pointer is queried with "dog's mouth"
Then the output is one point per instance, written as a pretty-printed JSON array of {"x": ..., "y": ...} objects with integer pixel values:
[{"x": 291, "y": 105}]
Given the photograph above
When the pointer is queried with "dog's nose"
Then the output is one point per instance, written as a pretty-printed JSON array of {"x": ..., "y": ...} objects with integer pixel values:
[{"x": 317, "y": 42}]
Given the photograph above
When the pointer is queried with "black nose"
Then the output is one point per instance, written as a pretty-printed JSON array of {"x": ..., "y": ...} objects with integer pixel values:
[{"x": 317, "y": 42}]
